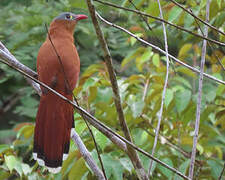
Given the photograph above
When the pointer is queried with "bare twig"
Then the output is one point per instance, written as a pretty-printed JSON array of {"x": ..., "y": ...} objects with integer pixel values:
[
  {"x": 160, "y": 50},
  {"x": 221, "y": 174},
  {"x": 162, "y": 20},
  {"x": 87, "y": 156},
  {"x": 5, "y": 54},
  {"x": 211, "y": 47},
  {"x": 164, "y": 90},
  {"x": 198, "y": 111},
  {"x": 167, "y": 140},
  {"x": 108, "y": 60},
  {"x": 116, "y": 137},
  {"x": 196, "y": 17}
]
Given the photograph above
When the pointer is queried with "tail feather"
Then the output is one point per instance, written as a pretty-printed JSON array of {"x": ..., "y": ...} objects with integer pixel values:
[{"x": 52, "y": 132}]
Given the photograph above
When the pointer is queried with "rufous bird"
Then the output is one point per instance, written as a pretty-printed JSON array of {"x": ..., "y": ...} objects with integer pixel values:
[{"x": 58, "y": 66}]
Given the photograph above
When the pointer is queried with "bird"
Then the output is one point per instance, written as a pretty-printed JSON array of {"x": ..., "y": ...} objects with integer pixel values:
[{"x": 58, "y": 66}]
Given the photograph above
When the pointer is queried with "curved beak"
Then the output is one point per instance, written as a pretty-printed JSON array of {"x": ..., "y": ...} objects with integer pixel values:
[{"x": 78, "y": 17}]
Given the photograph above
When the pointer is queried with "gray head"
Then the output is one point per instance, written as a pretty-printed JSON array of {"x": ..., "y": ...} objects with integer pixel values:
[{"x": 68, "y": 16}]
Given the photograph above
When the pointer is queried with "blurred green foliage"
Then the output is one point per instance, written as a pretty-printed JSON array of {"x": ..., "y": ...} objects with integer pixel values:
[{"x": 140, "y": 72}]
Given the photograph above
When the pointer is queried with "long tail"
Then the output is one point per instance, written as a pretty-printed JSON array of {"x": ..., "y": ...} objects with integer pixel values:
[{"x": 52, "y": 132}]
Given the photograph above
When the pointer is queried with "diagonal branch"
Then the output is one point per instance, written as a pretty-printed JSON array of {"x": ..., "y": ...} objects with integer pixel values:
[
  {"x": 196, "y": 17},
  {"x": 164, "y": 89},
  {"x": 108, "y": 60},
  {"x": 160, "y": 50},
  {"x": 13, "y": 62},
  {"x": 87, "y": 155},
  {"x": 221, "y": 174},
  {"x": 5, "y": 54},
  {"x": 211, "y": 47},
  {"x": 120, "y": 141},
  {"x": 162, "y": 20},
  {"x": 198, "y": 111}
]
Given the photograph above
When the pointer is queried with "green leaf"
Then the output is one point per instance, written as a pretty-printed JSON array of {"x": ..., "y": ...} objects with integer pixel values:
[
  {"x": 184, "y": 51},
  {"x": 13, "y": 163},
  {"x": 174, "y": 14},
  {"x": 215, "y": 167},
  {"x": 156, "y": 60},
  {"x": 93, "y": 94},
  {"x": 4, "y": 147},
  {"x": 26, "y": 169},
  {"x": 219, "y": 3},
  {"x": 101, "y": 139},
  {"x": 209, "y": 92},
  {"x": 134, "y": 40},
  {"x": 183, "y": 81},
  {"x": 137, "y": 108},
  {"x": 183, "y": 169},
  {"x": 80, "y": 126},
  {"x": 132, "y": 56},
  {"x": 168, "y": 97},
  {"x": 200, "y": 149},
  {"x": 126, "y": 164},
  {"x": 164, "y": 170},
  {"x": 186, "y": 71},
  {"x": 112, "y": 167},
  {"x": 182, "y": 99},
  {"x": 142, "y": 59},
  {"x": 78, "y": 170},
  {"x": 153, "y": 9}
]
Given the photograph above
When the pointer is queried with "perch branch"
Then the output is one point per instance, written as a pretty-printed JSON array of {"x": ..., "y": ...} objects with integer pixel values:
[
  {"x": 111, "y": 134},
  {"x": 198, "y": 111},
  {"x": 108, "y": 60},
  {"x": 164, "y": 89},
  {"x": 5, "y": 54},
  {"x": 162, "y": 20},
  {"x": 160, "y": 50},
  {"x": 13, "y": 62}
]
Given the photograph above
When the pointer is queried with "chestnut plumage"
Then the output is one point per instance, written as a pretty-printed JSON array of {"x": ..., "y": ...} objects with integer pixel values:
[{"x": 54, "y": 119}]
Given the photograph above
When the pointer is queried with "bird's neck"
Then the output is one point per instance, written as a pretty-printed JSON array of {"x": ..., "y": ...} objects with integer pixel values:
[{"x": 61, "y": 30}]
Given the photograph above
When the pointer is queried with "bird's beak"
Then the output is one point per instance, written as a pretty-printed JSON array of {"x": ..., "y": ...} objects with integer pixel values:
[{"x": 80, "y": 17}]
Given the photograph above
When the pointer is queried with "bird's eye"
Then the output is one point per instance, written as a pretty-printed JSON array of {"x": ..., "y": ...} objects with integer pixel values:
[{"x": 68, "y": 16}]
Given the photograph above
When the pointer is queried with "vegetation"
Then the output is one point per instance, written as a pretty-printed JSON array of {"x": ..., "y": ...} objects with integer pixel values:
[{"x": 141, "y": 73}]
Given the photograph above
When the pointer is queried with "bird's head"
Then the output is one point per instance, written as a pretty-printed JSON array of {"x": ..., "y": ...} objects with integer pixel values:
[{"x": 68, "y": 20}]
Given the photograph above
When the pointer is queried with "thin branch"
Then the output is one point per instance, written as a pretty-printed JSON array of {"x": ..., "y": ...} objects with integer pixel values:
[
  {"x": 5, "y": 54},
  {"x": 196, "y": 17},
  {"x": 221, "y": 174},
  {"x": 211, "y": 47},
  {"x": 92, "y": 119},
  {"x": 162, "y": 20},
  {"x": 198, "y": 111},
  {"x": 167, "y": 140},
  {"x": 160, "y": 50},
  {"x": 108, "y": 60},
  {"x": 87, "y": 155},
  {"x": 164, "y": 90}
]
